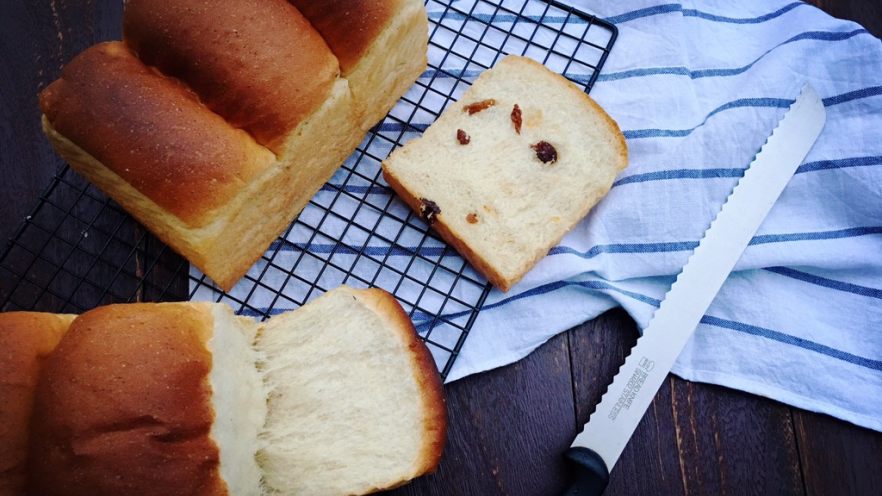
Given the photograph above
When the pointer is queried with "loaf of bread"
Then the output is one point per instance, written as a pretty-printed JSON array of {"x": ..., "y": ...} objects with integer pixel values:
[
  {"x": 213, "y": 123},
  {"x": 338, "y": 397},
  {"x": 505, "y": 172},
  {"x": 26, "y": 339}
]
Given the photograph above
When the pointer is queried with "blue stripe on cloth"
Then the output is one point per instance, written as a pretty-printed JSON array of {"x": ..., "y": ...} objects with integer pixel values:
[
  {"x": 541, "y": 290},
  {"x": 765, "y": 102},
  {"x": 473, "y": 73},
  {"x": 626, "y": 248},
  {"x": 853, "y": 95},
  {"x": 724, "y": 72},
  {"x": 752, "y": 103},
  {"x": 376, "y": 251},
  {"x": 436, "y": 251},
  {"x": 690, "y": 245},
  {"x": 707, "y": 319},
  {"x": 370, "y": 190},
  {"x": 819, "y": 165},
  {"x": 663, "y": 175},
  {"x": 260, "y": 312},
  {"x": 817, "y": 235},
  {"x": 616, "y": 19},
  {"x": 674, "y": 7},
  {"x": 654, "y": 71},
  {"x": 398, "y": 126},
  {"x": 828, "y": 283},
  {"x": 793, "y": 340},
  {"x": 839, "y": 163}
]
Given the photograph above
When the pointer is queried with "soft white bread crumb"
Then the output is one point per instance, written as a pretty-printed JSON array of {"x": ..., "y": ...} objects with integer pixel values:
[
  {"x": 500, "y": 205},
  {"x": 354, "y": 399},
  {"x": 238, "y": 398}
]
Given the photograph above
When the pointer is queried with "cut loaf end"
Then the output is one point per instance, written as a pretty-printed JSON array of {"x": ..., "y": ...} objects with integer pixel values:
[
  {"x": 336, "y": 424},
  {"x": 505, "y": 172}
]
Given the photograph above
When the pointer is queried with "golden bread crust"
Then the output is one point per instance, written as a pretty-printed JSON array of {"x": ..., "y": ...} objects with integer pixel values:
[
  {"x": 349, "y": 26},
  {"x": 124, "y": 406},
  {"x": 425, "y": 372},
  {"x": 26, "y": 339},
  {"x": 257, "y": 63},
  {"x": 152, "y": 132}
]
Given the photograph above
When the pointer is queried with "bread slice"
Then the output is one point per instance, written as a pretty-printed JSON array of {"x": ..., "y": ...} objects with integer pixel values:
[
  {"x": 355, "y": 402},
  {"x": 503, "y": 194},
  {"x": 338, "y": 397},
  {"x": 26, "y": 339}
]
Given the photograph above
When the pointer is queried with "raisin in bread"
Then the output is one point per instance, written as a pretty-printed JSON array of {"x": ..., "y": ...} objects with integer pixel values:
[{"x": 505, "y": 172}]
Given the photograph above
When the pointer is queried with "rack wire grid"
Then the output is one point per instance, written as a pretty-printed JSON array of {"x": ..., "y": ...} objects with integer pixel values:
[{"x": 78, "y": 249}]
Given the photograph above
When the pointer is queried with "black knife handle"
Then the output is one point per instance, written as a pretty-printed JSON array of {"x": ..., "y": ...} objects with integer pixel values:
[{"x": 592, "y": 476}]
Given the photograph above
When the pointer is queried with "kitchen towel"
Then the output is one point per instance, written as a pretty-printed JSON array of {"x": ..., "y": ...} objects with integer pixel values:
[{"x": 697, "y": 87}]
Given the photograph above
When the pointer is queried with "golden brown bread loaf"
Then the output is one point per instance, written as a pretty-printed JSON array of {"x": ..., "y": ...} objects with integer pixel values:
[
  {"x": 216, "y": 122},
  {"x": 338, "y": 397},
  {"x": 257, "y": 63},
  {"x": 190, "y": 163},
  {"x": 26, "y": 338}
]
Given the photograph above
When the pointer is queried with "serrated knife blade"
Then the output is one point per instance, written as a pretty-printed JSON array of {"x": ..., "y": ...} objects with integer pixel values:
[{"x": 596, "y": 449}]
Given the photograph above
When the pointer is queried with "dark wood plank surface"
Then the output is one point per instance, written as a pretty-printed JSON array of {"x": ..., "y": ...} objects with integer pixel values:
[{"x": 508, "y": 426}]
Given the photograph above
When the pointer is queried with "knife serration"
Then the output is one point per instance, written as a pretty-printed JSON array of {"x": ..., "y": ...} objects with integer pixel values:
[{"x": 635, "y": 385}]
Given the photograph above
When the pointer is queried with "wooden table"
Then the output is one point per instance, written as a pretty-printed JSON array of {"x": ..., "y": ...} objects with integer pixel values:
[{"x": 508, "y": 427}]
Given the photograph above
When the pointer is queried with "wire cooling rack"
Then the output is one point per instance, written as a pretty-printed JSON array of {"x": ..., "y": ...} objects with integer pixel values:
[{"x": 78, "y": 249}]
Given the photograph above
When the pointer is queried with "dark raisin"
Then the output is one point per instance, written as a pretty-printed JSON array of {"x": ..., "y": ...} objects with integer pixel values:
[
  {"x": 516, "y": 118},
  {"x": 472, "y": 218},
  {"x": 474, "y": 108},
  {"x": 545, "y": 152},
  {"x": 429, "y": 210},
  {"x": 463, "y": 137}
]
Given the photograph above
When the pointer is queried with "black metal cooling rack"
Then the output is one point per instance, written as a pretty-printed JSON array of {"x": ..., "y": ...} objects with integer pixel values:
[{"x": 78, "y": 249}]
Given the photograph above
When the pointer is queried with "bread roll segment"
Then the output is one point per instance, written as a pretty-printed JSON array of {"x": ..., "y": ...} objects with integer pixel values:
[
  {"x": 151, "y": 132},
  {"x": 381, "y": 47},
  {"x": 124, "y": 406},
  {"x": 338, "y": 397},
  {"x": 26, "y": 339},
  {"x": 257, "y": 63}
]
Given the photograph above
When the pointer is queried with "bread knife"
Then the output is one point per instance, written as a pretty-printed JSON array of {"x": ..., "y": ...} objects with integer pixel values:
[{"x": 596, "y": 449}]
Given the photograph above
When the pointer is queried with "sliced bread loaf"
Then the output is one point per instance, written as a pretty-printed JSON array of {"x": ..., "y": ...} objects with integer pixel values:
[
  {"x": 505, "y": 172},
  {"x": 339, "y": 397}
]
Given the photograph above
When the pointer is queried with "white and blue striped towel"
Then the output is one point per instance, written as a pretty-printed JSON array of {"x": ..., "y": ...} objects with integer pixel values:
[{"x": 697, "y": 87}]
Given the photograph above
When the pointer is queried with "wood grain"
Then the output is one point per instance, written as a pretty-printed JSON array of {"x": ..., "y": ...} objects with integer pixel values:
[
  {"x": 837, "y": 457},
  {"x": 695, "y": 438},
  {"x": 868, "y": 13},
  {"x": 37, "y": 39}
]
